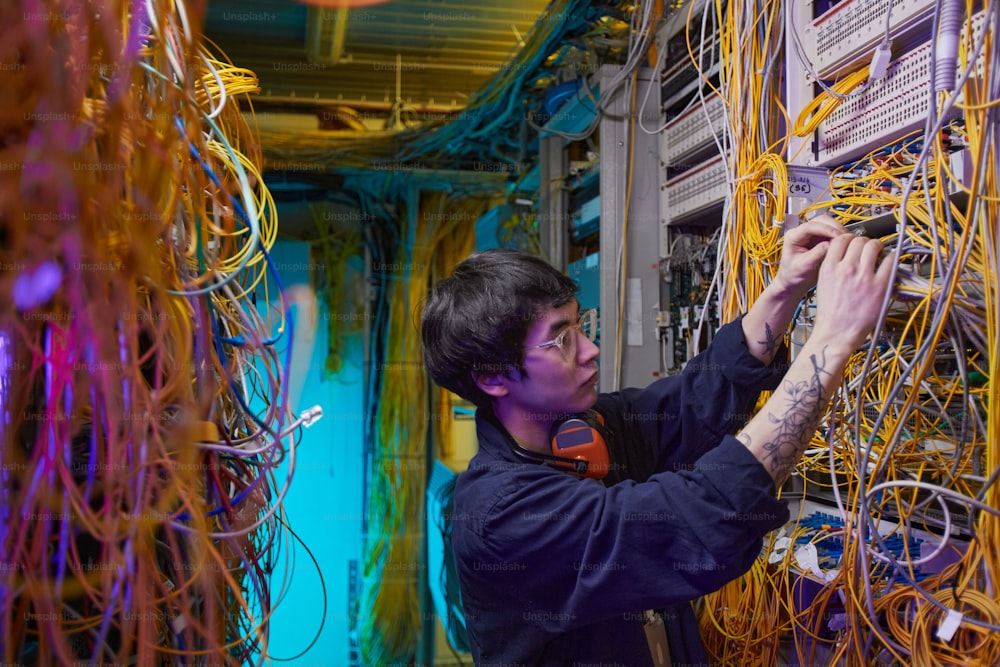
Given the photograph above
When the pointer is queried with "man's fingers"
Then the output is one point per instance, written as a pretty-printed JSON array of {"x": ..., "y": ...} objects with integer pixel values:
[
  {"x": 885, "y": 270},
  {"x": 862, "y": 252},
  {"x": 826, "y": 225},
  {"x": 814, "y": 256},
  {"x": 871, "y": 252},
  {"x": 812, "y": 232},
  {"x": 838, "y": 247}
]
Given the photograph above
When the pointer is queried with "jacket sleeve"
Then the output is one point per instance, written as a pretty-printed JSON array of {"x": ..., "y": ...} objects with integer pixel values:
[
  {"x": 571, "y": 552},
  {"x": 687, "y": 415}
]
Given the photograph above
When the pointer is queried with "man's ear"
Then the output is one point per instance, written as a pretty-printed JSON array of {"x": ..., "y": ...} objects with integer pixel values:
[{"x": 494, "y": 385}]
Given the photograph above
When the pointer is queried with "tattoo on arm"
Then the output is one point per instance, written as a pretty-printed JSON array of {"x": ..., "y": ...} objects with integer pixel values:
[
  {"x": 771, "y": 342},
  {"x": 798, "y": 423}
]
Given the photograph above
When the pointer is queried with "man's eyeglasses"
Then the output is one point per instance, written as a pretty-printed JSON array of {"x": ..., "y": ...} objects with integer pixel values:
[{"x": 586, "y": 326}]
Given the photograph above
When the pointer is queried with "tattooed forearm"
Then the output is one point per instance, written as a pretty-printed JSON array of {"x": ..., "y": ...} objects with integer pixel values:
[
  {"x": 796, "y": 426},
  {"x": 770, "y": 342}
]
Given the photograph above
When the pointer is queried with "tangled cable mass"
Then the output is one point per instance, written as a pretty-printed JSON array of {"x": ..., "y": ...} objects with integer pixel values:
[
  {"x": 140, "y": 491},
  {"x": 907, "y": 455}
]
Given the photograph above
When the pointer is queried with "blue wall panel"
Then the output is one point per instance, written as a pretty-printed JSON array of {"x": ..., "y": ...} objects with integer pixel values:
[{"x": 324, "y": 501}]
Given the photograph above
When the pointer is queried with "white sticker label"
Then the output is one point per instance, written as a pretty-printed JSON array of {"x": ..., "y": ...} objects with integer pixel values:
[{"x": 633, "y": 312}]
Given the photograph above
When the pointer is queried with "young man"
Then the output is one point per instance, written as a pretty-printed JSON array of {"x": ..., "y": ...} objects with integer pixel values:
[{"x": 559, "y": 569}]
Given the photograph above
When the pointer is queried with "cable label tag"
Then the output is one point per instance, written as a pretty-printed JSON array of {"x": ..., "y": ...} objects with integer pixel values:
[{"x": 949, "y": 625}]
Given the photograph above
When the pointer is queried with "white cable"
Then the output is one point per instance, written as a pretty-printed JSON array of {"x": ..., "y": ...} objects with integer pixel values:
[{"x": 222, "y": 88}]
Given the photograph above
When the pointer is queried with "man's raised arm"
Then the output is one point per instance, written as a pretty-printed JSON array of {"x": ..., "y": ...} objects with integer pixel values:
[{"x": 850, "y": 291}]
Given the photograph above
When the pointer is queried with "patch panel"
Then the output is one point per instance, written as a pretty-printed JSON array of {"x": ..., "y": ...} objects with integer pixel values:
[
  {"x": 684, "y": 71},
  {"x": 692, "y": 130},
  {"x": 819, "y": 517},
  {"x": 682, "y": 81},
  {"x": 676, "y": 21},
  {"x": 850, "y": 30},
  {"x": 702, "y": 187},
  {"x": 891, "y": 108},
  {"x": 825, "y": 532}
]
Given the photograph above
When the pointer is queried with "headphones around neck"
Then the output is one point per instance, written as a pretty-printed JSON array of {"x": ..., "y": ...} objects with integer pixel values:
[{"x": 579, "y": 446}]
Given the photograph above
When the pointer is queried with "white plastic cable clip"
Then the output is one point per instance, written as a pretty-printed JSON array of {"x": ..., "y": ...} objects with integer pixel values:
[{"x": 949, "y": 625}]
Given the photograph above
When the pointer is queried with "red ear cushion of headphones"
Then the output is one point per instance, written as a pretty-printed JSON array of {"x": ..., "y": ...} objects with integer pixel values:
[{"x": 579, "y": 440}]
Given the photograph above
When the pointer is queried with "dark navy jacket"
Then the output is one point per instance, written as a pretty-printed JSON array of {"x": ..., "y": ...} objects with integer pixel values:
[{"x": 557, "y": 570}]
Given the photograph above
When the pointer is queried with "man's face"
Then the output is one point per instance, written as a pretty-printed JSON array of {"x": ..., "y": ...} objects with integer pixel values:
[{"x": 559, "y": 380}]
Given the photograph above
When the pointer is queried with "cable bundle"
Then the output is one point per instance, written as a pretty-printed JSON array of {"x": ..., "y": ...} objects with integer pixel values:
[
  {"x": 389, "y": 608},
  {"x": 751, "y": 39},
  {"x": 139, "y": 490}
]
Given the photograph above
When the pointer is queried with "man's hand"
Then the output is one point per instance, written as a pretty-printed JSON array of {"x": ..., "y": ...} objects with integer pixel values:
[
  {"x": 851, "y": 289},
  {"x": 802, "y": 253}
]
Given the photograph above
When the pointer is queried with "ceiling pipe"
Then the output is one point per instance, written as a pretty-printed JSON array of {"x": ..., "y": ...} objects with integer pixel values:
[
  {"x": 311, "y": 104},
  {"x": 325, "y": 44}
]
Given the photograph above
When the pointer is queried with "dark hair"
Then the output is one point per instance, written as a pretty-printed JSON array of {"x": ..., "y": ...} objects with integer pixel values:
[{"x": 476, "y": 321}]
